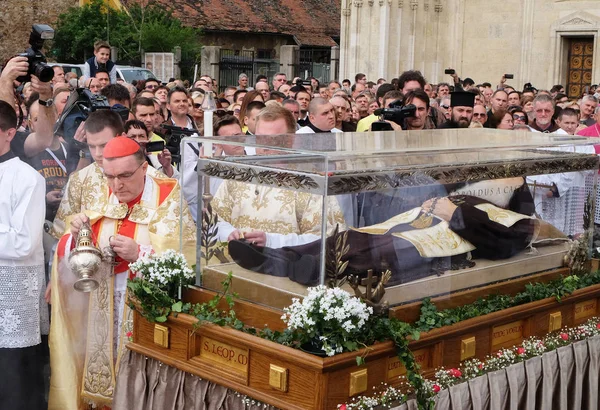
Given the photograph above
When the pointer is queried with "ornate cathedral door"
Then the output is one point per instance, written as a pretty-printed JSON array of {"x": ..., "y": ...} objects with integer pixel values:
[{"x": 581, "y": 52}]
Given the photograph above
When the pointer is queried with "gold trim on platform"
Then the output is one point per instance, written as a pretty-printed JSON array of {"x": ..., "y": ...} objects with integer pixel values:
[
  {"x": 467, "y": 348},
  {"x": 358, "y": 382},
  {"x": 278, "y": 378},
  {"x": 555, "y": 321},
  {"x": 161, "y": 336}
]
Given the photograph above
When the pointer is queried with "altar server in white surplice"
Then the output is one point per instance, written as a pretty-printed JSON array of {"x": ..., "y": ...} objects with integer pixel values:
[{"x": 22, "y": 212}]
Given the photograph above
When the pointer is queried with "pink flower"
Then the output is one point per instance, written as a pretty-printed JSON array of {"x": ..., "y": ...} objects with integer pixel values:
[
  {"x": 455, "y": 373},
  {"x": 521, "y": 351},
  {"x": 480, "y": 366},
  {"x": 564, "y": 336},
  {"x": 598, "y": 325},
  {"x": 342, "y": 407},
  {"x": 130, "y": 334},
  {"x": 436, "y": 388}
]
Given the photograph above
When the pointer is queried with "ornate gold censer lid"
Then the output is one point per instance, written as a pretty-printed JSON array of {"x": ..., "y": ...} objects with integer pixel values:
[{"x": 85, "y": 261}]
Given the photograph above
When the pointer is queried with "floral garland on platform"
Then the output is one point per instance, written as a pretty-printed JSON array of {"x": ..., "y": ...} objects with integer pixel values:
[{"x": 472, "y": 368}]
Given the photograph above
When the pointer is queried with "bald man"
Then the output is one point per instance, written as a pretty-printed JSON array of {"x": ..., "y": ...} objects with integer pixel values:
[{"x": 321, "y": 118}]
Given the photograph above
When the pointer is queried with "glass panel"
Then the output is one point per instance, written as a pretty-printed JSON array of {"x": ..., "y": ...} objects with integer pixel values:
[{"x": 430, "y": 213}]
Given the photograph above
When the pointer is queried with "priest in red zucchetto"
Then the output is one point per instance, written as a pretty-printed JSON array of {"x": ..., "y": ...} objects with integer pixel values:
[{"x": 140, "y": 215}]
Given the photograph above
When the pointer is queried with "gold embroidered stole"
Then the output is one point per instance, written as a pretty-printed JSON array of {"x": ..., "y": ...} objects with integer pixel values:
[{"x": 439, "y": 240}]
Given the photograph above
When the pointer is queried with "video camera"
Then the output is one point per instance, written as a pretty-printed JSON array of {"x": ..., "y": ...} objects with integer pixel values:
[
  {"x": 396, "y": 112},
  {"x": 35, "y": 58},
  {"x": 173, "y": 136},
  {"x": 80, "y": 104}
]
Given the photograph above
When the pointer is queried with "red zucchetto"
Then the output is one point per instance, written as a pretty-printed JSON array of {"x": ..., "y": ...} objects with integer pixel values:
[{"x": 120, "y": 147}]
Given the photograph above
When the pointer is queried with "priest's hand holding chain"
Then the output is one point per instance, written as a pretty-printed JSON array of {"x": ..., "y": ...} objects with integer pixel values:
[
  {"x": 125, "y": 247},
  {"x": 78, "y": 221}
]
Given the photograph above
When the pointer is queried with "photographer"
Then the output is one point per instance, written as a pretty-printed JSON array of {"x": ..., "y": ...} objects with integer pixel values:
[{"x": 23, "y": 145}]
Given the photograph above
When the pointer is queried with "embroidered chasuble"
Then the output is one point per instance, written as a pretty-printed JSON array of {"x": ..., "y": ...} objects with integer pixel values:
[
  {"x": 88, "y": 330},
  {"x": 288, "y": 217},
  {"x": 86, "y": 189}
]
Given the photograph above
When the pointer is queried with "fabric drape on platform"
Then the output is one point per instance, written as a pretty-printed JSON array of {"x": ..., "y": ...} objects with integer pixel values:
[
  {"x": 147, "y": 384},
  {"x": 564, "y": 379}
]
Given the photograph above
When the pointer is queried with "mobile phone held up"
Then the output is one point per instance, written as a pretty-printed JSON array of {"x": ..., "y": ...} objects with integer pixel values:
[{"x": 155, "y": 146}]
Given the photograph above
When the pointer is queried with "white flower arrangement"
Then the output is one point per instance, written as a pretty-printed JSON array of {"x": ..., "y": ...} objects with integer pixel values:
[
  {"x": 330, "y": 318},
  {"x": 163, "y": 269}
]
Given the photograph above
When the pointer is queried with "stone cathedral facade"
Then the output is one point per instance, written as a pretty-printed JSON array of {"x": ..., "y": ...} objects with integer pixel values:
[{"x": 544, "y": 42}]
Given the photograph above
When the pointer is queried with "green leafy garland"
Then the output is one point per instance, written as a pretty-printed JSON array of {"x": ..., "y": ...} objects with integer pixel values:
[
  {"x": 431, "y": 318},
  {"x": 155, "y": 305}
]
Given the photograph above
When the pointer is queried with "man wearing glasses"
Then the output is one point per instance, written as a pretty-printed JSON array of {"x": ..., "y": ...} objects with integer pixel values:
[
  {"x": 87, "y": 187},
  {"x": 135, "y": 215},
  {"x": 151, "y": 84}
]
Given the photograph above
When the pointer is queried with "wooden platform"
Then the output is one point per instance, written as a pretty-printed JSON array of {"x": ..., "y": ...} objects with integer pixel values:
[
  {"x": 291, "y": 379},
  {"x": 278, "y": 292}
]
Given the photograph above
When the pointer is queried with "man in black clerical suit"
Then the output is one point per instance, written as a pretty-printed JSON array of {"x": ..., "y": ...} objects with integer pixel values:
[{"x": 461, "y": 113}]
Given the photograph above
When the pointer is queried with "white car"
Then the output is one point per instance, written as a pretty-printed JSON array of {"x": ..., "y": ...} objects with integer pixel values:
[{"x": 130, "y": 73}]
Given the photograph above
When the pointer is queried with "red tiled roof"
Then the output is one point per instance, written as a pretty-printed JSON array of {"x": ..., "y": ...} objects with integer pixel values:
[{"x": 310, "y": 21}]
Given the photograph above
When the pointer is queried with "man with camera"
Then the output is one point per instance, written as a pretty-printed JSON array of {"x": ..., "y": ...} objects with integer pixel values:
[{"x": 28, "y": 145}]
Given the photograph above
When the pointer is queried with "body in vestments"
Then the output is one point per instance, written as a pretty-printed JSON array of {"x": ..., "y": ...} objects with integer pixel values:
[
  {"x": 288, "y": 217},
  {"x": 416, "y": 243},
  {"x": 87, "y": 334},
  {"x": 22, "y": 280}
]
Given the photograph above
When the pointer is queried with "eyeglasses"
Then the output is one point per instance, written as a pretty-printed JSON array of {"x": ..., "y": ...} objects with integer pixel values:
[
  {"x": 122, "y": 177},
  {"x": 519, "y": 117},
  {"x": 151, "y": 87},
  {"x": 479, "y": 115},
  {"x": 445, "y": 106},
  {"x": 197, "y": 106}
]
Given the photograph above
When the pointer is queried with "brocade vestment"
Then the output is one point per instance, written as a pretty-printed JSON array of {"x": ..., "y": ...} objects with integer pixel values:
[{"x": 88, "y": 330}]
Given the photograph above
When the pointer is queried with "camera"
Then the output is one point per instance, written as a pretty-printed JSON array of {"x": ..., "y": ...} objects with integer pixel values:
[
  {"x": 396, "y": 112},
  {"x": 80, "y": 104},
  {"x": 35, "y": 58},
  {"x": 173, "y": 136},
  {"x": 509, "y": 76},
  {"x": 450, "y": 71}
]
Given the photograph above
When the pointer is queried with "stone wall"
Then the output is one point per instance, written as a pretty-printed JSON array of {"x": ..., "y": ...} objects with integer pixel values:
[
  {"x": 481, "y": 39},
  {"x": 17, "y": 17}
]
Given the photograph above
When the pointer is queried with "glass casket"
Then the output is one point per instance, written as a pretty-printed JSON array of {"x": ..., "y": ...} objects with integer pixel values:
[{"x": 415, "y": 214}]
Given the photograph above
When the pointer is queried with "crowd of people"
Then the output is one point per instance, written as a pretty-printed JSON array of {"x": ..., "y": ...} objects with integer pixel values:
[{"x": 117, "y": 170}]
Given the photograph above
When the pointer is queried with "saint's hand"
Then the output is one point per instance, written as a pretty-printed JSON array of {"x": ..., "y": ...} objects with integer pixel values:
[
  {"x": 165, "y": 160},
  {"x": 257, "y": 238},
  {"x": 125, "y": 247},
  {"x": 440, "y": 207},
  {"x": 77, "y": 223}
]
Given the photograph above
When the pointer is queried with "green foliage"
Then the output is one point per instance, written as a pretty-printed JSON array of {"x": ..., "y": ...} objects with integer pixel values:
[
  {"x": 431, "y": 318},
  {"x": 155, "y": 303},
  {"x": 152, "y": 28}
]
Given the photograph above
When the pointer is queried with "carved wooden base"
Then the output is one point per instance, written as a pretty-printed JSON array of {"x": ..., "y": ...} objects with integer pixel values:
[{"x": 291, "y": 379}]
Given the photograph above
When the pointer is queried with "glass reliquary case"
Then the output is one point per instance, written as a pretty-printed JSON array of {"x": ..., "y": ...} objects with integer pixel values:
[{"x": 417, "y": 214}]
